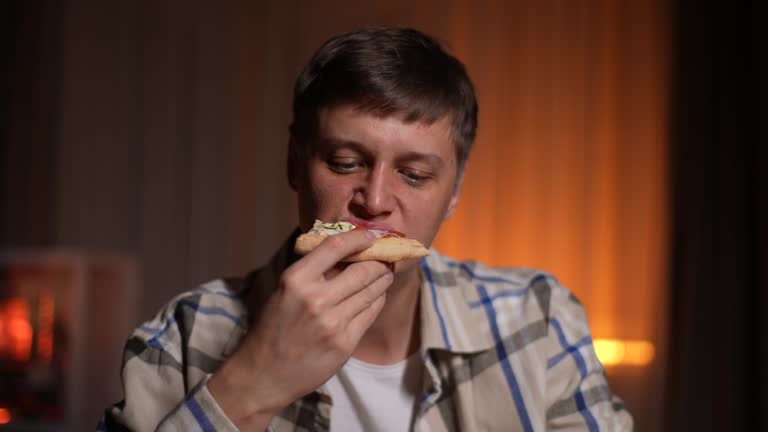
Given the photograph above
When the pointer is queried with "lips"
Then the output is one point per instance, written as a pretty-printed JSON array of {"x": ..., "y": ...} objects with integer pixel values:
[{"x": 369, "y": 224}]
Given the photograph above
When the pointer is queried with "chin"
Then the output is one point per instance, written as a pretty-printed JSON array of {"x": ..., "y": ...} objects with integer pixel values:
[{"x": 406, "y": 266}]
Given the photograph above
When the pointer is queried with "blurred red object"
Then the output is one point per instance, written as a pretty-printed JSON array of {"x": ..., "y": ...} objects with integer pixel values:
[{"x": 64, "y": 317}]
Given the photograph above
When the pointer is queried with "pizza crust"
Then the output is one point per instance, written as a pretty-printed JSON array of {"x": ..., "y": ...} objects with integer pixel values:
[{"x": 387, "y": 249}]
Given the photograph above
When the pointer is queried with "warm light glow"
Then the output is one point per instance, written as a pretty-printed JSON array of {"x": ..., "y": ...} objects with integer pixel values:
[
  {"x": 5, "y": 416},
  {"x": 45, "y": 327},
  {"x": 610, "y": 352},
  {"x": 569, "y": 170},
  {"x": 18, "y": 330},
  {"x": 638, "y": 353},
  {"x": 613, "y": 352}
]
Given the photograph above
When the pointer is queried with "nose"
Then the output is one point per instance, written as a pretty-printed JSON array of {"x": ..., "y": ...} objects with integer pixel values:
[{"x": 374, "y": 197}]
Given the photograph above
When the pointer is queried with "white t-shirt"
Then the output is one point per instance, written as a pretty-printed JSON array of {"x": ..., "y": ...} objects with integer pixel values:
[{"x": 375, "y": 398}]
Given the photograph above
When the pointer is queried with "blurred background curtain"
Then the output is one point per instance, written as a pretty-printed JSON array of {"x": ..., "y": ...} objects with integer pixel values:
[
  {"x": 158, "y": 130},
  {"x": 717, "y": 375}
]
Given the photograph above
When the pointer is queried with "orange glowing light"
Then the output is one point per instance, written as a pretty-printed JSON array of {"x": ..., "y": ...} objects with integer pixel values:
[
  {"x": 610, "y": 352},
  {"x": 613, "y": 352},
  {"x": 18, "y": 329},
  {"x": 5, "y": 416},
  {"x": 3, "y": 337},
  {"x": 45, "y": 327}
]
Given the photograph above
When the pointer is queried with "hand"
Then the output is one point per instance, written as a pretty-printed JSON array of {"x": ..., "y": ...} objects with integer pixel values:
[{"x": 307, "y": 331}]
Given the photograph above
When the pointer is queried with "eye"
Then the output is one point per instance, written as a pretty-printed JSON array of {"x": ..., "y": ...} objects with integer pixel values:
[
  {"x": 345, "y": 165},
  {"x": 415, "y": 177}
]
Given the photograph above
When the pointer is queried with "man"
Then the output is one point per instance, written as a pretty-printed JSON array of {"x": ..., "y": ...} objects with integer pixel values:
[{"x": 383, "y": 123}]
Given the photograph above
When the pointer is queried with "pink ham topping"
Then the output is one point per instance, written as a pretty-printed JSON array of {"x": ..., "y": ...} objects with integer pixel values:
[{"x": 381, "y": 230}]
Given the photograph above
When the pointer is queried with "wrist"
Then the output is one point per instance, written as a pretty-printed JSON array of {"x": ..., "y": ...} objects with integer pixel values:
[{"x": 240, "y": 397}]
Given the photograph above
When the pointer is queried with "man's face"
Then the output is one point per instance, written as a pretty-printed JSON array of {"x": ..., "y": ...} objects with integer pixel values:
[{"x": 381, "y": 170}]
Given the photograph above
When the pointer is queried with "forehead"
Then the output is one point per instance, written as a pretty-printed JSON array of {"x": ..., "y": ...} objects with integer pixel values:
[{"x": 347, "y": 124}]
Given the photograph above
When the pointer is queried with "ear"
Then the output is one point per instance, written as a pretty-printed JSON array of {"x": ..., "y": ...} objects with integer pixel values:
[{"x": 454, "y": 202}]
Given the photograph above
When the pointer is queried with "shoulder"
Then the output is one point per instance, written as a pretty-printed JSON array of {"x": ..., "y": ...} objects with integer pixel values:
[
  {"x": 533, "y": 305},
  {"x": 505, "y": 302},
  {"x": 204, "y": 319},
  {"x": 484, "y": 285}
]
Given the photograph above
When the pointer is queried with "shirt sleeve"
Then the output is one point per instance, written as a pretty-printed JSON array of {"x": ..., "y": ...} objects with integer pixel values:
[
  {"x": 161, "y": 392},
  {"x": 579, "y": 397},
  {"x": 199, "y": 411}
]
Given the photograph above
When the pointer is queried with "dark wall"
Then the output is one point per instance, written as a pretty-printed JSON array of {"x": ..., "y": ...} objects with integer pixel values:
[
  {"x": 719, "y": 218},
  {"x": 137, "y": 128},
  {"x": 29, "y": 35}
]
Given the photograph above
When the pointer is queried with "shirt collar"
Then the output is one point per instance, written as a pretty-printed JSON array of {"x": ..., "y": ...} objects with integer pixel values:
[{"x": 447, "y": 321}]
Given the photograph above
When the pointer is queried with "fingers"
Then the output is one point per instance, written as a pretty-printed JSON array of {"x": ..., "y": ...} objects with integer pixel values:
[
  {"x": 363, "y": 320},
  {"x": 356, "y": 278},
  {"x": 333, "y": 249},
  {"x": 362, "y": 299},
  {"x": 333, "y": 272}
]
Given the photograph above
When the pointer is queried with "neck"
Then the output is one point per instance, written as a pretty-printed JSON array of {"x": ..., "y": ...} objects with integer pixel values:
[{"x": 396, "y": 332}]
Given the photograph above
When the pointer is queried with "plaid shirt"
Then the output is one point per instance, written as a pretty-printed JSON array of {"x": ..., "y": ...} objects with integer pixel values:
[{"x": 503, "y": 350}]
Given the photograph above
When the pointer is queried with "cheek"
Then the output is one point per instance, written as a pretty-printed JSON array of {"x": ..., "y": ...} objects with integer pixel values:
[
  {"x": 320, "y": 186},
  {"x": 329, "y": 192},
  {"x": 323, "y": 193},
  {"x": 428, "y": 212},
  {"x": 314, "y": 196}
]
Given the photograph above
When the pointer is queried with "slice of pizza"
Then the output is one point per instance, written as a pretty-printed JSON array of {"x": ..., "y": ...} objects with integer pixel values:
[{"x": 389, "y": 246}]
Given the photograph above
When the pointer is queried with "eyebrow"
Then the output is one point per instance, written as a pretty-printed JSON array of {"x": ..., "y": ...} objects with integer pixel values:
[
  {"x": 335, "y": 143},
  {"x": 430, "y": 159}
]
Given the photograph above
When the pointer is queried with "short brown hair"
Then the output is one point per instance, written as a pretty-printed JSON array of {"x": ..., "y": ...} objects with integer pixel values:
[{"x": 387, "y": 71}]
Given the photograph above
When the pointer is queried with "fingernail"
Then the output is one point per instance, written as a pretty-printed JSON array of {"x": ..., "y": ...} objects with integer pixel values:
[{"x": 370, "y": 235}]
